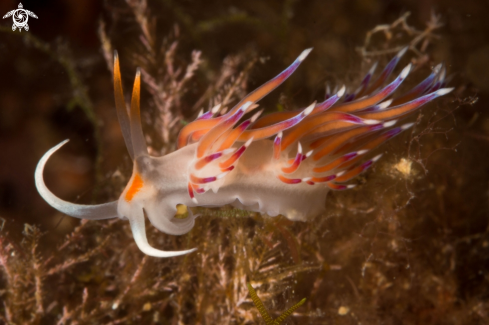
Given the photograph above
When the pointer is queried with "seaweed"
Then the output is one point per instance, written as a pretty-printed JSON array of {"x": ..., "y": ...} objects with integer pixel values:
[{"x": 408, "y": 245}]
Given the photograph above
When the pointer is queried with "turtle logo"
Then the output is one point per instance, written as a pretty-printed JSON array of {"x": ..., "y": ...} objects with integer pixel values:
[{"x": 20, "y": 17}]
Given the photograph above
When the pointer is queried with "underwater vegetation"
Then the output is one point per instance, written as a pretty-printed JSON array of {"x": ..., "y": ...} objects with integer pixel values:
[
  {"x": 407, "y": 245},
  {"x": 264, "y": 313}
]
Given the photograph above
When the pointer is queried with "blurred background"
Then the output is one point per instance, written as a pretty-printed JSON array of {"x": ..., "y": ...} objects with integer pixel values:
[{"x": 429, "y": 221}]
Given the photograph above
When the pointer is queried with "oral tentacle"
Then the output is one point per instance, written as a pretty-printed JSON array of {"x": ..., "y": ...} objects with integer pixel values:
[
  {"x": 139, "y": 233},
  {"x": 91, "y": 212}
]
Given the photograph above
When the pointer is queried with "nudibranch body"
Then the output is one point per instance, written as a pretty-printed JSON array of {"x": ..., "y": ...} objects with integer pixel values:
[{"x": 283, "y": 163}]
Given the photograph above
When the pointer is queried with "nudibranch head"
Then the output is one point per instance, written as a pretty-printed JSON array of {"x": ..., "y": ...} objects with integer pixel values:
[{"x": 283, "y": 163}]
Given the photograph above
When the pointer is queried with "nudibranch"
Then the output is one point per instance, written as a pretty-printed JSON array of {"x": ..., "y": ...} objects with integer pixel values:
[{"x": 283, "y": 163}]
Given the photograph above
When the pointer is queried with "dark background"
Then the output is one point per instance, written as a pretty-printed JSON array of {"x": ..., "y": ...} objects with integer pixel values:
[{"x": 37, "y": 109}]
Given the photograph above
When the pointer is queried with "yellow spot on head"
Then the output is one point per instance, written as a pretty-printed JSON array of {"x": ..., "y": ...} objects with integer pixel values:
[{"x": 136, "y": 185}]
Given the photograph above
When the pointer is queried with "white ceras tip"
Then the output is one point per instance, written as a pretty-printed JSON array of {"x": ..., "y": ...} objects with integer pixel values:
[
  {"x": 384, "y": 104},
  {"x": 406, "y": 71},
  {"x": 299, "y": 148},
  {"x": 407, "y": 126},
  {"x": 227, "y": 151},
  {"x": 222, "y": 175},
  {"x": 216, "y": 109},
  {"x": 443, "y": 91},
  {"x": 256, "y": 116},
  {"x": 309, "y": 109},
  {"x": 340, "y": 173},
  {"x": 361, "y": 152},
  {"x": 341, "y": 92},
  {"x": 372, "y": 69},
  {"x": 370, "y": 122},
  {"x": 247, "y": 143},
  {"x": 402, "y": 52},
  {"x": 280, "y": 134},
  {"x": 194, "y": 200},
  {"x": 442, "y": 74},
  {"x": 437, "y": 68},
  {"x": 389, "y": 123},
  {"x": 306, "y": 179},
  {"x": 245, "y": 106},
  {"x": 304, "y": 54},
  {"x": 201, "y": 112},
  {"x": 374, "y": 159},
  {"x": 309, "y": 153},
  {"x": 351, "y": 186}
]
